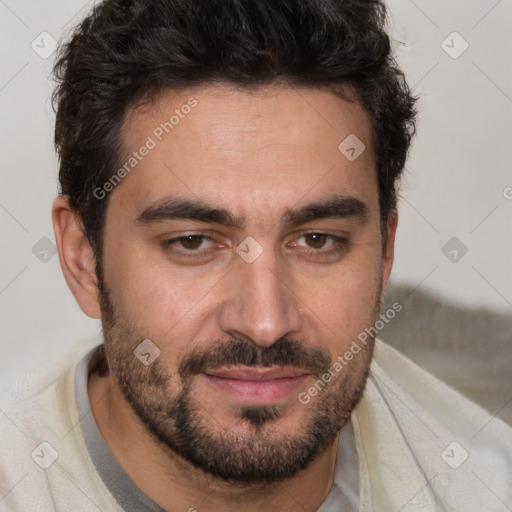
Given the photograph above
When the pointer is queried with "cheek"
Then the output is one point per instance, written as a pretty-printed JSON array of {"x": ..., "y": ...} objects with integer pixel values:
[
  {"x": 154, "y": 304},
  {"x": 145, "y": 287},
  {"x": 346, "y": 300}
]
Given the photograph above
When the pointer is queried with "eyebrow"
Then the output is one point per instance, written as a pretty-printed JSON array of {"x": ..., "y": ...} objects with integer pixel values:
[{"x": 173, "y": 208}]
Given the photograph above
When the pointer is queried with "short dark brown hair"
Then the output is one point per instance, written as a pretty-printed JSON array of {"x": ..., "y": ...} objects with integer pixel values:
[{"x": 126, "y": 50}]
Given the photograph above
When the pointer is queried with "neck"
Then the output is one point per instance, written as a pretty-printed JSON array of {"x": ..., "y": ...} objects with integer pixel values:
[{"x": 175, "y": 484}]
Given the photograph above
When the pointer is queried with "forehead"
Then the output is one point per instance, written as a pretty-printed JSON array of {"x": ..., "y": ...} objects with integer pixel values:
[{"x": 247, "y": 149}]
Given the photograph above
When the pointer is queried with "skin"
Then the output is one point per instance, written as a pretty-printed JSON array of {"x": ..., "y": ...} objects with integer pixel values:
[{"x": 256, "y": 153}]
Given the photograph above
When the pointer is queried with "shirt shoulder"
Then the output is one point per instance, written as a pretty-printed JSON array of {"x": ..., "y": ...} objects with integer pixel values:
[
  {"x": 44, "y": 464},
  {"x": 423, "y": 444}
]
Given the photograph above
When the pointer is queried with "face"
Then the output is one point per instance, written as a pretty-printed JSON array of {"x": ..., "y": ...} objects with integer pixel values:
[{"x": 245, "y": 248}]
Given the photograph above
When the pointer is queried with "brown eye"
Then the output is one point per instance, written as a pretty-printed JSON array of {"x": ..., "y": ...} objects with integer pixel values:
[
  {"x": 191, "y": 242},
  {"x": 321, "y": 245},
  {"x": 316, "y": 240},
  {"x": 191, "y": 246}
]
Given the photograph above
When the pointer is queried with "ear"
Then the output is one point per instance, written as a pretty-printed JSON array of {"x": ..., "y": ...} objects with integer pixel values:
[
  {"x": 76, "y": 257},
  {"x": 388, "y": 252}
]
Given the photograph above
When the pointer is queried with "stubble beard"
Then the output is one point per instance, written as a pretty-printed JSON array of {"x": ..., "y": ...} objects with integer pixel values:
[{"x": 253, "y": 450}]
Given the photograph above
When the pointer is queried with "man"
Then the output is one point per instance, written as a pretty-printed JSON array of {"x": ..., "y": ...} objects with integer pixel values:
[{"x": 228, "y": 210}]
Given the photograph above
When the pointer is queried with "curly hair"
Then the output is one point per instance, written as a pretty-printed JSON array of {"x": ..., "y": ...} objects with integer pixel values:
[{"x": 127, "y": 50}]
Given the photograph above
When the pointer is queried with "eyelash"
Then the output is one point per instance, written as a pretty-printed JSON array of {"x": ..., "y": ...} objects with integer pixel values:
[{"x": 340, "y": 244}]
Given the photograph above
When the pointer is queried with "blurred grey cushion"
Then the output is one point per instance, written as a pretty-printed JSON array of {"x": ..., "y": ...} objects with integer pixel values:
[{"x": 469, "y": 349}]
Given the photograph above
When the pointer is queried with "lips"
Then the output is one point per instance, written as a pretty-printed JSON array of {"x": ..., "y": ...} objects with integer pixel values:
[
  {"x": 256, "y": 385},
  {"x": 256, "y": 374}
]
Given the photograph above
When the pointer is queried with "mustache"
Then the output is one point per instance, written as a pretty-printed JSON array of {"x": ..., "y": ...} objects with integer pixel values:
[{"x": 283, "y": 352}]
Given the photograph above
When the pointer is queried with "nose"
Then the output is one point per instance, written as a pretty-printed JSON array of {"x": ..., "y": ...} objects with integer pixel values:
[{"x": 260, "y": 302}]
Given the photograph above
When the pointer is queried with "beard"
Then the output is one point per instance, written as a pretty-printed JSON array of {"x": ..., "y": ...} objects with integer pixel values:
[{"x": 251, "y": 450}]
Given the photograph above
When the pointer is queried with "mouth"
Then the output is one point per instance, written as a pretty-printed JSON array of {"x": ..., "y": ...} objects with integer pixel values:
[{"x": 256, "y": 385}]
